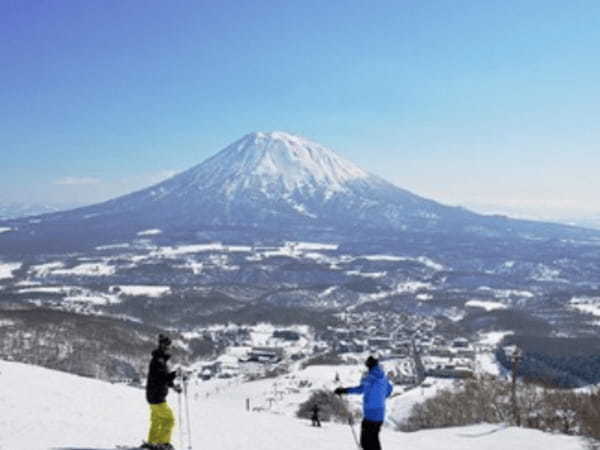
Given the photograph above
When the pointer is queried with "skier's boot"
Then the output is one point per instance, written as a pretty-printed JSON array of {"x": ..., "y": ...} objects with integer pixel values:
[{"x": 149, "y": 446}]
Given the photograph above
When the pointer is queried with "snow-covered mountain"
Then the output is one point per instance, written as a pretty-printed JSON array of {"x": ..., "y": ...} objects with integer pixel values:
[
  {"x": 592, "y": 221},
  {"x": 271, "y": 184},
  {"x": 11, "y": 210},
  {"x": 43, "y": 410},
  {"x": 277, "y": 164},
  {"x": 273, "y": 181}
]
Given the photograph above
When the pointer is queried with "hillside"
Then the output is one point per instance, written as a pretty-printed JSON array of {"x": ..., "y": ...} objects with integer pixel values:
[{"x": 43, "y": 410}]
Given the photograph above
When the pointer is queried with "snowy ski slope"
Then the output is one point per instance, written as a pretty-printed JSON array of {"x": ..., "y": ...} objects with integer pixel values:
[{"x": 42, "y": 409}]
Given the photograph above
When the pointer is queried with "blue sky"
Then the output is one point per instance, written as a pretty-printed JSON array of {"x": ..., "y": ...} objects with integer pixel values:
[{"x": 489, "y": 104}]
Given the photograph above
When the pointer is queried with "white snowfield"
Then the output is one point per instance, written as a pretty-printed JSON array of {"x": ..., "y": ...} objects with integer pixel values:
[
  {"x": 313, "y": 246},
  {"x": 492, "y": 338},
  {"x": 149, "y": 291},
  {"x": 46, "y": 290},
  {"x": 208, "y": 255},
  {"x": 43, "y": 270},
  {"x": 151, "y": 232},
  {"x": 88, "y": 269},
  {"x": 588, "y": 305},
  {"x": 7, "y": 269},
  {"x": 422, "y": 259},
  {"x": 507, "y": 293},
  {"x": 486, "y": 304},
  {"x": 42, "y": 409}
]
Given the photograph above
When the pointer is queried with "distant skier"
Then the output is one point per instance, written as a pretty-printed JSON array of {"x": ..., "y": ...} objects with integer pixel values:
[
  {"x": 315, "y": 416},
  {"x": 375, "y": 388},
  {"x": 160, "y": 379}
]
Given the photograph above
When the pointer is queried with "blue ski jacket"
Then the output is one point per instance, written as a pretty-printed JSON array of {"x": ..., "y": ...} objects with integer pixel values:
[{"x": 375, "y": 388}]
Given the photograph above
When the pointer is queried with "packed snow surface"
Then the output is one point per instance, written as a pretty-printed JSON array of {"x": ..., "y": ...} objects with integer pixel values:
[{"x": 46, "y": 410}]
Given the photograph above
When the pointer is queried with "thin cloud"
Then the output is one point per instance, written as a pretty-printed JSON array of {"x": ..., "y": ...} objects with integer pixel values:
[
  {"x": 76, "y": 181},
  {"x": 164, "y": 174},
  {"x": 144, "y": 180}
]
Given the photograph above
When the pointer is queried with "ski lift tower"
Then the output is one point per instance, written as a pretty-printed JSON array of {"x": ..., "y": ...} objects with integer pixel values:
[{"x": 516, "y": 358}]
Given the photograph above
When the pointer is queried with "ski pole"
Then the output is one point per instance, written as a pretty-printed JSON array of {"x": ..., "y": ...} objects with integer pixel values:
[
  {"x": 351, "y": 423},
  {"x": 187, "y": 413},
  {"x": 180, "y": 413}
]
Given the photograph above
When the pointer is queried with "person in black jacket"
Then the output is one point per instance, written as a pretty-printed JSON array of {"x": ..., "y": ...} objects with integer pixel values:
[
  {"x": 315, "y": 416},
  {"x": 160, "y": 379}
]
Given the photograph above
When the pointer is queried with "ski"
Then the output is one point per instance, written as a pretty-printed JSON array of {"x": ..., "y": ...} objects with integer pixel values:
[
  {"x": 141, "y": 447},
  {"x": 133, "y": 447}
]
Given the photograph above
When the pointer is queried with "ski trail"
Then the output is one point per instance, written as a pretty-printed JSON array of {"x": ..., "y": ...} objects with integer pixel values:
[{"x": 46, "y": 410}]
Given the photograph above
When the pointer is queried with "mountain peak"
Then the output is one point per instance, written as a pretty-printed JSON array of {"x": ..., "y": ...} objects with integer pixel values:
[
  {"x": 277, "y": 161},
  {"x": 278, "y": 140},
  {"x": 276, "y": 136}
]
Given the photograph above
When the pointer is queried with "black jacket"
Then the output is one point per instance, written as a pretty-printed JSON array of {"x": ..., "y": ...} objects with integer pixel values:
[
  {"x": 315, "y": 411},
  {"x": 159, "y": 378}
]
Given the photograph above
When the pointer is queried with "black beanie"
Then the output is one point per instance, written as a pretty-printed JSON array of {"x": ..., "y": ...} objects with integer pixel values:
[
  {"x": 164, "y": 339},
  {"x": 371, "y": 362}
]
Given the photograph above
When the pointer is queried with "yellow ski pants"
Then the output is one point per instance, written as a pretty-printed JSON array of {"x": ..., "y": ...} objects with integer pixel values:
[{"x": 162, "y": 422}]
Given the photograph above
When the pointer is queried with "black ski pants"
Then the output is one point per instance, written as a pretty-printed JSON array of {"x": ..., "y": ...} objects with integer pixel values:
[{"x": 369, "y": 435}]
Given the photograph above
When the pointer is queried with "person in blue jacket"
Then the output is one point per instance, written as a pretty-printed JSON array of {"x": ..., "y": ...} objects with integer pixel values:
[{"x": 375, "y": 388}]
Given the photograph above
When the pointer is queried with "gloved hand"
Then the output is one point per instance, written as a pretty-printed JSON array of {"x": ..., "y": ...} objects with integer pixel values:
[
  {"x": 181, "y": 374},
  {"x": 177, "y": 389},
  {"x": 340, "y": 391}
]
